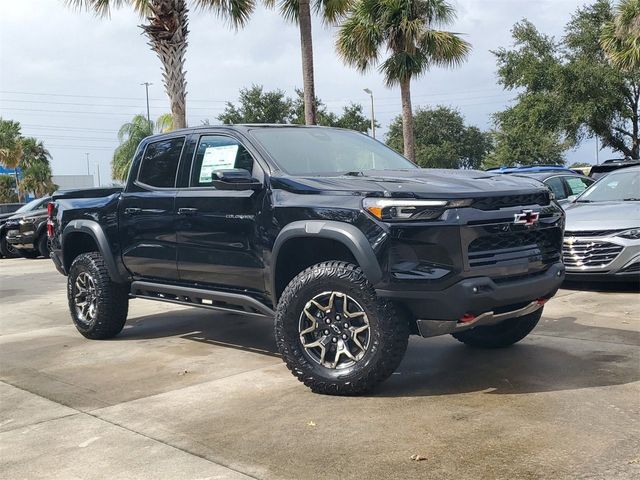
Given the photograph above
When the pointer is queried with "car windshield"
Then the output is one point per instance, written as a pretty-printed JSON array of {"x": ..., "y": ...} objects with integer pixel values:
[
  {"x": 619, "y": 186},
  {"x": 29, "y": 206},
  {"x": 325, "y": 151}
]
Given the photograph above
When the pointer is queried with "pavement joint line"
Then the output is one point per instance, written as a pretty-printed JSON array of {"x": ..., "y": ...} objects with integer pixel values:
[
  {"x": 534, "y": 334},
  {"x": 28, "y": 425},
  {"x": 135, "y": 432}
]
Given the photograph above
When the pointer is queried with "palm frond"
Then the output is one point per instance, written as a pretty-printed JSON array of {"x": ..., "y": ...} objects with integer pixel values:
[
  {"x": 445, "y": 49},
  {"x": 236, "y": 12}
]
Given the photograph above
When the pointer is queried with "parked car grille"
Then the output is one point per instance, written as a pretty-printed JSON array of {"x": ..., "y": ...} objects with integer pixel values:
[
  {"x": 633, "y": 268},
  {"x": 590, "y": 233},
  {"x": 543, "y": 245},
  {"x": 505, "y": 201},
  {"x": 586, "y": 253}
]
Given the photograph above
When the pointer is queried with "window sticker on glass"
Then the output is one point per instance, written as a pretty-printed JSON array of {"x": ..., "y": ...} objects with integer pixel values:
[{"x": 217, "y": 158}]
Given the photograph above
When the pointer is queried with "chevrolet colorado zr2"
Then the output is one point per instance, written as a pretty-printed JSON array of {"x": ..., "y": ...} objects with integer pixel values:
[{"x": 349, "y": 246}]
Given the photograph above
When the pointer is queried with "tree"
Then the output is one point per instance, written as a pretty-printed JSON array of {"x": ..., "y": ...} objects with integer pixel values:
[
  {"x": 130, "y": 135},
  {"x": 580, "y": 165},
  {"x": 620, "y": 38},
  {"x": 167, "y": 29},
  {"x": 258, "y": 106},
  {"x": 34, "y": 153},
  {"x": 299, "y": 11},
  {"x": 8, "y": 189},
  {"x": 442, "y": 139},
  {"x": 353, "y": 118},
  {"x": 569, "y": 91},
  {"x": 36, "y": 178},
  {"x": 10, "y": 146},
  {"x": 405, "y": 29},
  {"x": 323, "y": 116}
]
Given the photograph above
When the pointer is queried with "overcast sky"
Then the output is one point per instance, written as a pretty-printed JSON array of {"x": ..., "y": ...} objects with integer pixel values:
[{"x": 71, "y": 79}]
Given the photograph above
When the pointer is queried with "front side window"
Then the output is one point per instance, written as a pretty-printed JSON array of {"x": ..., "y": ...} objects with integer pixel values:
[
  {"x": 577, "y": 185},
  {"x": 327, "y": 151},
  {"x": 218, "y": 152},
  {"x": 160, "y": 163}
]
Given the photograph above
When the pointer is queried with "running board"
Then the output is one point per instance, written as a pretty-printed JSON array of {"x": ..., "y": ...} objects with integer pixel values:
[{"x": 196, "y": 297}]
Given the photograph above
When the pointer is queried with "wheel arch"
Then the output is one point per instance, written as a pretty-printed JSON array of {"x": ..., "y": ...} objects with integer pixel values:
[
  {"x": 349, "y": 241},
  {"x": 82, "y": 236}
]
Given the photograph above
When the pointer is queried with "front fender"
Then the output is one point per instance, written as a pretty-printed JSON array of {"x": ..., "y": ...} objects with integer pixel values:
[
  {"x": 94, "y": 229},
  {"x": 349, "y": 235}
]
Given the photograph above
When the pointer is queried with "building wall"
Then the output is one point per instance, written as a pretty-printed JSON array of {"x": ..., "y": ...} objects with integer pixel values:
[{"x": 67, "y": 182}]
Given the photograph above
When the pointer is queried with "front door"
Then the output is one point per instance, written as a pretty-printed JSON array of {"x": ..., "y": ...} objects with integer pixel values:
[
  {"x": 218, "y": 239},
  {"x": 147, "y": 213}
]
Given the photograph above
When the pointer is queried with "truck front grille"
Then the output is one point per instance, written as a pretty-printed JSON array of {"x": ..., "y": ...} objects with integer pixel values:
[
  {"x": 587, "y": 253},
  {"x": 506, "y": 201},
  {"x": 536, "y": 245}
]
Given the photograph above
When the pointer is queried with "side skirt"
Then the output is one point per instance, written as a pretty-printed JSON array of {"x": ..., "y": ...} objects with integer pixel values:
[{"x": 196, "y": 297}]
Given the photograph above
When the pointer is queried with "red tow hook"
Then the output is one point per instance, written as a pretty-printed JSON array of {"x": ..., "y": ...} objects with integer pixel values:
[
  {"x": 542, "y": 301},
  {"x": 466, "y": 318}
]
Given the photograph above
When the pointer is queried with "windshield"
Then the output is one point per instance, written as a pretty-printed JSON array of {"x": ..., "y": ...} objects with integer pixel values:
[
  {"x": 32, "y": 205},
  {"x": 325, "y": 151},
  {"x": 619, "y": 186}
]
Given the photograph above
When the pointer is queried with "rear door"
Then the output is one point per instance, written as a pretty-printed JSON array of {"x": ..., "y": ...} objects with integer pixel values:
[
  {"x": 218, "y": 230},
  {"x": 147, "y": 212}
]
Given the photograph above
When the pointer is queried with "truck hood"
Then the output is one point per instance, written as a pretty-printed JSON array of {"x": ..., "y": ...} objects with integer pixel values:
[
  {"x": 33, "y": 214},
  {"x": 602, "y": 216},
  {"x": 420, "y": 183}
]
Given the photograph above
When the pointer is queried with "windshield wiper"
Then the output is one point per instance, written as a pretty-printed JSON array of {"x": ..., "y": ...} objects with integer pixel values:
[
  {"x": 584, "y": 201},
  {"x": 353, "y": 174},
  {"x": 632, "y": 199}
]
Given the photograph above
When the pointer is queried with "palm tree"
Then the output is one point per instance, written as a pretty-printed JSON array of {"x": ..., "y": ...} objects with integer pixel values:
[
  {"x": 620, "y": 38},
  {"x": 37, "y": 179},
  {"x": 130, "y": 135},
  {"x": 11, "y": 147},
  {"x": 405, "y": 30},
  {"x": 34, "y": 152},
  {"x": 167, "y": 30},
  {"x": 299, "y": 11}
]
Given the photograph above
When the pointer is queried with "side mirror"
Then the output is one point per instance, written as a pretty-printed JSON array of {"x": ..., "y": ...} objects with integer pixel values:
[{"x": 234, "y": 179}]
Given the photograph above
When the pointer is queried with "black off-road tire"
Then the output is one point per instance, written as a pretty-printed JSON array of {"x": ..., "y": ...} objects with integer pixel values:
[
  {"x": 503, "y": 334},
  {"x": 43, "y": 245},
  {"x": 112, "y": 299},
  {"x": 388, "y": 337},
  {"x": 6, "y": 250}
]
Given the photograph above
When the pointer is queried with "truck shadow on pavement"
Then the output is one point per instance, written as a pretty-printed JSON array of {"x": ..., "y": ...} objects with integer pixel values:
[
  {"x": 603, "y": 287},
  {"x": 560, "y": 355}
]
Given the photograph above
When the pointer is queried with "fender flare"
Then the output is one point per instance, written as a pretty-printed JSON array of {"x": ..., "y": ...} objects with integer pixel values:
[
  {"x": 349, "y": 235},
  {"x": 94, "y": 229}
]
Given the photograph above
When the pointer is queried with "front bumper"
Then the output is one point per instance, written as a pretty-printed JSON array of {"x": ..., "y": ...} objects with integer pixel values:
[
  {"x": 479, "y": 295},
  {"x": 20, "y": 239}
]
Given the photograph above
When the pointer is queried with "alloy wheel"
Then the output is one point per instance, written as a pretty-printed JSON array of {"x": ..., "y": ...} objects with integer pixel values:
[
  {"x": 334, "y": 330},
  {"x": 86, "y": 298}
]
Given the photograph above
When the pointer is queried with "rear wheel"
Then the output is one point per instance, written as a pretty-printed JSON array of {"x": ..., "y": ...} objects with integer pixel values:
[
  {"x": 503, "y": 334},
  {"x": 333, "y": 332},
  {"x": 43, "y": 245},
  {"x": 98, "y": 306}
]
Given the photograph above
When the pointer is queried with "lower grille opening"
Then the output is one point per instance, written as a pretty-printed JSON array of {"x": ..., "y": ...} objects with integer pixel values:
[{"x": 537, "y": 245}]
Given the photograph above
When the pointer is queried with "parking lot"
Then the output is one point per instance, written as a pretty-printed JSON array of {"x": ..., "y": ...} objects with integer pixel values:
[{"x": 187, "y": 393}]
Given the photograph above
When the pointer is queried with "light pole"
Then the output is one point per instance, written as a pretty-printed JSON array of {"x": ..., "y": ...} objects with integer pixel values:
[
  {"x": 373, "y": 117},
  {"x": 146, "y": 88},
  {"x": 87, "y": 154},
  {"x": 98, "y": 168}
]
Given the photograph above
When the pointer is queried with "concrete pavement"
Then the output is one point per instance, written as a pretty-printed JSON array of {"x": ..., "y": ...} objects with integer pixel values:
[{"x": 187, "y": 393}]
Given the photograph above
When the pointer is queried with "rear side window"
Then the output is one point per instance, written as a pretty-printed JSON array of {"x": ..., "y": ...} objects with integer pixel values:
[
  {"x": 556, "y": 186},
  {"x": 577, "y": 185},
  {"x": 160, "y": 163},
  {"x": 218, "y": 152}
]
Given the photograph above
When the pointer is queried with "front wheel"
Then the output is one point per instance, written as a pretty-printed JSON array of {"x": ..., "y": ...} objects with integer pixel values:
[
  {"x": 503, "y": 334},
  {"x": 333, "y": 332},
  {"x": 43, "y": 245},
  {"x": 6, "y": 249},
  {"x": 98, "y": 305}
]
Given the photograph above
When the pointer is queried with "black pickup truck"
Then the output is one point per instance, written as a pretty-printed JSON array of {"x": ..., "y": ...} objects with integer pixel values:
[{"x": 347, "y": 244}]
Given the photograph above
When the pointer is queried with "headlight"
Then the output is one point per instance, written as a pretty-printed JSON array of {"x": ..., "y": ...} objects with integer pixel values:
[
  {"x": 633, "y": 234},
  {"x": 405, "y": 209}
]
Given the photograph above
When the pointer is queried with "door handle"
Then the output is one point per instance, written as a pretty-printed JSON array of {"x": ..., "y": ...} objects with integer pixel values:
[
  {"x": 132, "y": 211},
  {"x": 187, "y": 211}
]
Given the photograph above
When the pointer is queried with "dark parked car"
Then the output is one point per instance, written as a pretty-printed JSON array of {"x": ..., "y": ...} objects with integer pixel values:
[
  {"x": 598, "y": 171},
  {"x": 25, "y": 232},
  {"x": 563, "y": 182},
  {"x": 346, "y": 243},
  {"x": 7, "y": 250}
]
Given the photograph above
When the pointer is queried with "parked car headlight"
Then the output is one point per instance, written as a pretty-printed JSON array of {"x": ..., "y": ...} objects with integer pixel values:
[
  {"x": 408, "y": 209},
  {"x": 633, "y": 234}
]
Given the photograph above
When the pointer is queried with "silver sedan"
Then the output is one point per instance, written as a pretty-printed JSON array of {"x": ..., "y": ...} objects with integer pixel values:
[{"x": 602, "y": 235}]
